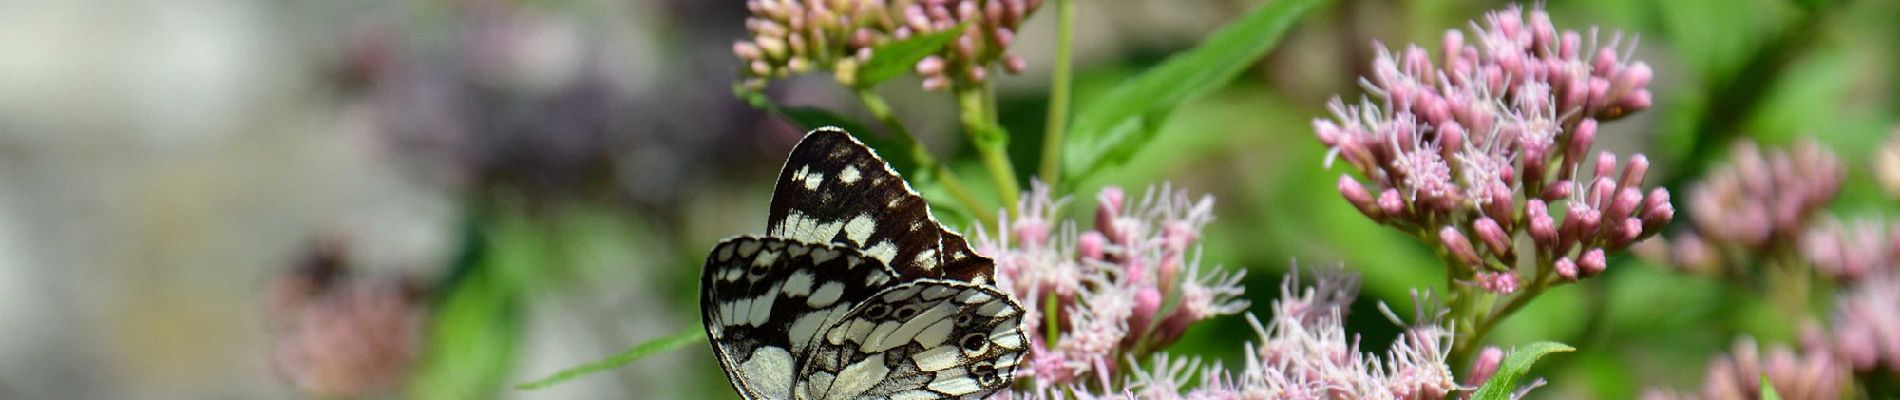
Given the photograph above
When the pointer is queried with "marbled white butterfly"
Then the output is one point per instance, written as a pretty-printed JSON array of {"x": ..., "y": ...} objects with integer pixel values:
[{"x": 856, "y": 291}]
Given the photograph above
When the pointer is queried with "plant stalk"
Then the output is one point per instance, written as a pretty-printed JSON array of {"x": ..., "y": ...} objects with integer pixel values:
[
  {"x": 926, "y": 162},
  {"x": 1060, "y": 81}
]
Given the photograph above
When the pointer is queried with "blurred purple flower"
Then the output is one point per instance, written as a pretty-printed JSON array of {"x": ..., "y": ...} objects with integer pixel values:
[
  {"x": 1794, "y": 374},
  {"x": 1764, "y": 202},
  {"x": 517, "y": 99},
  {"x": 1865, "y": 328},
  {"x": 340, "y": 336},
  {"x": 1483, "y": 145},
  {"x": 798, "y": 36}
]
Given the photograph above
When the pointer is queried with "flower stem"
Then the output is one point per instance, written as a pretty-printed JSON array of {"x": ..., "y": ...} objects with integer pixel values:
[
  {"x": 925, "y": 162},
  {"x": 1059, "y": 86},
  {"x": 992, "y": 143}
]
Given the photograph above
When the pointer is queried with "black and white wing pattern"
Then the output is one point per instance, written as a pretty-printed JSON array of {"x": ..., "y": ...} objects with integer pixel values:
[
  {"x": 763, "y": 300},
  {"x": 835, "y": 189},
  {"x": 856, "y": 292},
  {"x": 926, "y": 339}
]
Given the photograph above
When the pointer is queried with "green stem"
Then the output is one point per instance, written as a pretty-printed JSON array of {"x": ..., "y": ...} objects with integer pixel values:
[
  {"x": 992, "y": 144},
  {"x": 925, "y": 162},
  {"x": 1051, "y": 319},
  {"x": 1059, "y": 83}
]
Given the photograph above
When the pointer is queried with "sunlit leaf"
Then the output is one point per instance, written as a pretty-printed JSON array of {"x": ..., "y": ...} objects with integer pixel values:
[
  {"x": 1113, "y": 128},
  {"x": 1514, "y": 368},
  {"x": 893, "y": 59}
]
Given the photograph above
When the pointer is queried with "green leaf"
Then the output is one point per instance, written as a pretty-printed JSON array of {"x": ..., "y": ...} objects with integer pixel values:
[
  {"x": 1514, "y": 368},
  {"x": 636, "y": 353},
  {"x": 893, "y": 59},
  {"x": 471, "y": 341},
  {"x": 1112, "y": 129},
  {"x": 1768, "y": 390}
]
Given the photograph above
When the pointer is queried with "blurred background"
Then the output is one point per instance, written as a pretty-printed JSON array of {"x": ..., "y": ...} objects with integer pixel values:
[{"x": 203, "y": 198}]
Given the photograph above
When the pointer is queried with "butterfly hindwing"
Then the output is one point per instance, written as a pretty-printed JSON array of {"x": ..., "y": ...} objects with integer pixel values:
[
  {"x": 928, "y": 338},
  {"x": 835, "y": 189},
  {"x": 765, "y": 300}
]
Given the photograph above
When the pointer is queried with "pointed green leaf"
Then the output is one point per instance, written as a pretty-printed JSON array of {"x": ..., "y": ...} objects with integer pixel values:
[
  {"x": 1768, "y": 390},
  {"x": 893, "y": 59},
  {"x": 471, "y": 341},
  {"x": 1514, "y": 368},
  {"x": 636, "y": 353},
  {"x": 1113, "y": 128}
]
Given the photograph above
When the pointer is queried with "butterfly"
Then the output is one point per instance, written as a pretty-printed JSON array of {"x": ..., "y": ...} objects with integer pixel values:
[{"x": 856, "y": 291}]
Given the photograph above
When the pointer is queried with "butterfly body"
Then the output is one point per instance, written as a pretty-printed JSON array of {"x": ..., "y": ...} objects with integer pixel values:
[{"x": 856, "y": 291}]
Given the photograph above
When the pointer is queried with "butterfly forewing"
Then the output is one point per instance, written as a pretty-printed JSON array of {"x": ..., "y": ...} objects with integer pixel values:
[
  {"x": 764, "y": 301},
  {"x": 857, "y": 292},
  {"x": 926, "y": 339},
  {"x": 835, "y": 189}
]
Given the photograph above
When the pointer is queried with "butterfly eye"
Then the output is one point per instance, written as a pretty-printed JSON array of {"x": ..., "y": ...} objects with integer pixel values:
[
  {"x": 876, "y": 311},
  {"x": 974, "y": 343},
  {"x": 906, "y": 312}
]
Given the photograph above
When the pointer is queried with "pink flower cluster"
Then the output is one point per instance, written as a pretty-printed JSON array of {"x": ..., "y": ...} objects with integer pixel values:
[
  {"x": 1303, "y": 352},
  {"x": 1794, "y": 375},
  {"x": 1762, "y": 202},
  {"x": 343, "y": 337},
  {"x": 1104, "y": 289},
  {"x": 796, "y": 36},
  {"x": 1108, "y": 285},
  {"x": 1482, "y": 146}
]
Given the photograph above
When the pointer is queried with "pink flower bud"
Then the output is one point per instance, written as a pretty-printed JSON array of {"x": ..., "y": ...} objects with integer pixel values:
[
  {"x": 1592, "y": 263},
  {"x": 1493, "y": 236},
  {"x": 1091, "y": 246},
  {"x": 1455, "y": 243},
  {"x": 1624, "y": 204},
  {"x": 931, "y": 65},
  {"x": 1014, "y": 64},
  {"x": 1584, "y": 136},
  {"x": 1556, "y": 191},
  {"x": 1502, "y": 283},
  {"x": 1566, "y": 269},
  {"x": 1391, "y": 204},
  {"x": 1359, "y": 197},
  {"x": 1606, "y": 164},
  {"x": 1543, "y": 227},
  {"x": 1633, "y": 171},
  {"x": 1657, "y": 212},
  {"x": 1484, "y": 366}
]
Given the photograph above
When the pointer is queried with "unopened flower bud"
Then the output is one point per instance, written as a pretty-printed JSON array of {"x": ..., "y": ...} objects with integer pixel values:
[
  {"x": 1455, "y": 243},
  {"x": 1592, "y": 263},
  {"x": 1091, "y": 246},
  {"x": 1567, "y": 269},
  {"x": 1633, "y": 171},
  {"x": 1657, "y": 211},
  {"x": 1390, "y": 203},
  {"x": 1543, "y": 227},
  {"x": 1359, "y": 197},
  {"x": 1493, "y": 236},
  {"x": 1484, "y": 366}
]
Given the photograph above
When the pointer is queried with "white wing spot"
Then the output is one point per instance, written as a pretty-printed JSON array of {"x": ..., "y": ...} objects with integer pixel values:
[
  {"x": 859, "y": 229},
  {"x": 850, "y": 174},
  {"x": 937, "y": 358},
  {"x": 799, "y": 284},
  {"x": 884, "y": 251},
  {"x": 769, "y": 371},
  {"x": 859, "y": 377},
  {"x": 813, "y": 179},
  {"x": 927, "y": 259},
  {"x": 825, "y": 295}
]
